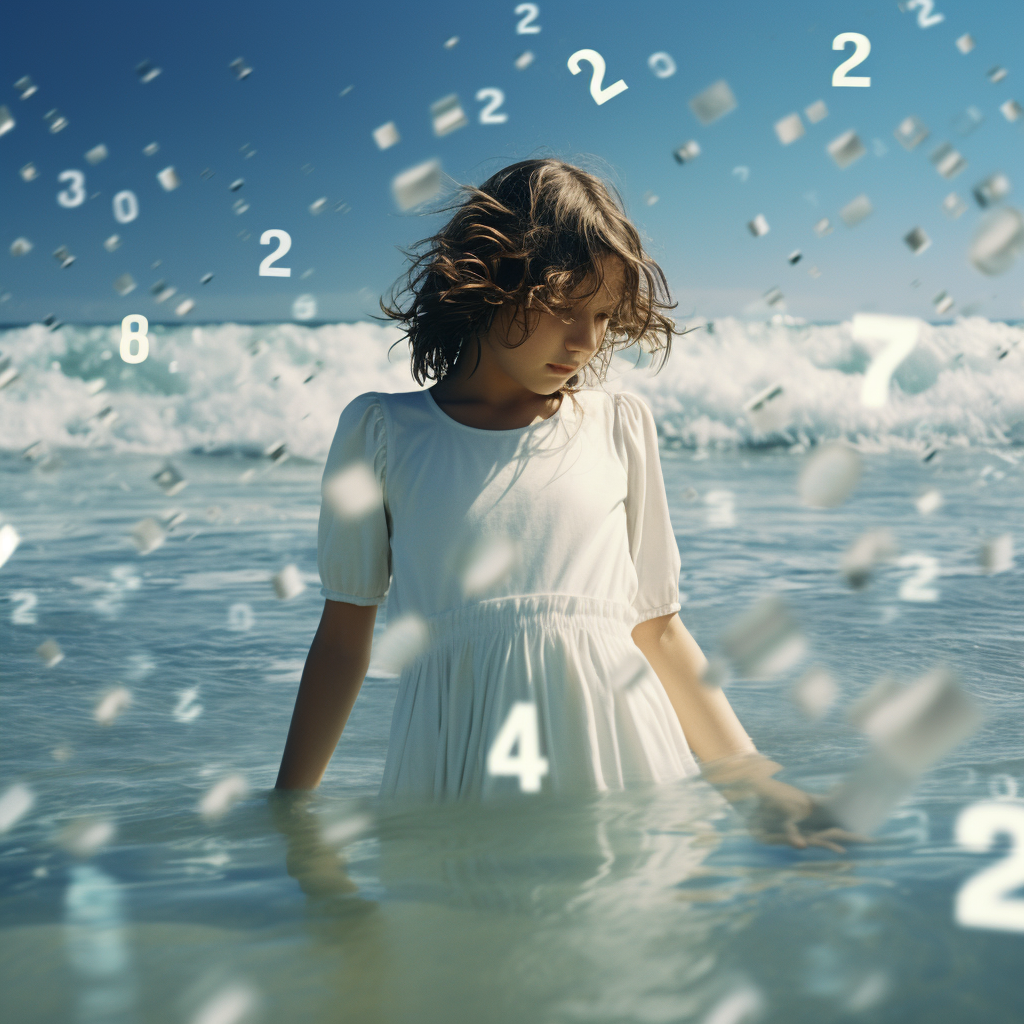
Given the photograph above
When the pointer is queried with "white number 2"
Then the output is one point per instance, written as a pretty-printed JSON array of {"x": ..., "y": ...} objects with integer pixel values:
[
  {"x": 267, "y": 269},
  {"x": 862, "y": 48},
  {"x": 493, "y": 98},
  {"x": 23, "y": 614},
  {"x": 526, "y": 26},
  {"x": 914, "y": 589},
  {"x": 595, "y": 59},
  {"x": 925, "y": 16},
  {"x": 521, "y": 725},
  {"x": 983, "y": 900}
]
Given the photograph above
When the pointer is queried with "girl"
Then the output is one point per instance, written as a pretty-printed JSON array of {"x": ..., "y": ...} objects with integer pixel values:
[{"x": 522, "y": 521}]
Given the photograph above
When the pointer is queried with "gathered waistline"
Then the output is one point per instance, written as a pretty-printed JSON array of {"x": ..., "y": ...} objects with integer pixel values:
[{"x": 503, "y": 613}]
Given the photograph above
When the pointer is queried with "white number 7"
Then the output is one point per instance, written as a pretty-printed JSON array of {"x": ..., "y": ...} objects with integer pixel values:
[
  {"x": 521, "y": 725},
  {"x": 901, "y": 332}
]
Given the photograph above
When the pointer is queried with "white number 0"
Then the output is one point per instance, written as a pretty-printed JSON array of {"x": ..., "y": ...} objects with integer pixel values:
[
  {"x": 983, "y": 900},
  {"x": 863, "y": 48},
  {"x": 595, "y": 59},
  {"x": 521, "y": 725}
]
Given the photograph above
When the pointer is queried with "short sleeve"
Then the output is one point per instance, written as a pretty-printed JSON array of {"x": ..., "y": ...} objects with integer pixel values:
[
  {"x": 652, "y": 542},
  {"x": 353, "y": 536}
]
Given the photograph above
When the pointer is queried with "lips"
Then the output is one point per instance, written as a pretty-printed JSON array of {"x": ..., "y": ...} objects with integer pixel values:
[{"x": 563, "y": 368}]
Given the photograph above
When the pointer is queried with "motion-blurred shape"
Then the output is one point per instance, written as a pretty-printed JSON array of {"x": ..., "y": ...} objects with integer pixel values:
[
  {"x": 794, "y": 257},
  {"x": 998, "y": 241},
  {"x": 15, "y": 802},
  {"x": 386, "y": 135},
  {"x": 97, "y": 154},
  {"x": 942, "y": 302},
  {"x": 451, "y": 42},
  {"x": 721, "y": 513},
  {"x": 8, "y": 372},
  {"x": 993, "y": 188},
  {"x": 55, "y": 120},
  {"x": 417, "y": 184},
  {"x": 773, "y": 296},
  {"x": 124, "y": 284},
  {"x": 30, "y": 172},
  {"x": 741, "y": 172},
  {"x": 917, "y": 240},
  {"x": 49, "y": 653},
  {"x": 169, "y": 480},
  {"x": 222, "y": 795},
  {"x": 769, "y": 410},
  {"x": 63, "y": 257},
  {"x": 20, "y": 246},
  {"x": 714, "y": 102},
  {"x": 948, "y": 162},
  {"x": 789, "y": 128},
  {"x": 352, "y": 492},
  {"x": 815, "y": 692},
  {"x": 112, "y": 704},
  {"x": 846, "y": 148},
  {"x": 996, "y": 555},
  {"x": 182, "y": 309},
  {"x": 686, "y": 152},
  {"x": 911, "y": 132},
  {"x": 148, "y": 535},
  {"x": 240, "y": 68},
  {"x": 965, "y": 43},
  {"x": 829, "y": 475},
  {"x": 928, "y": 502},
  {"x": 523, "y": 61},
  {"x": 403, "y": 641},
  {"x": 823, "y": 227},
  {"x": 317, "y": 206},
  {"x": 953, "y": 206},
  {"x": 146, "y": 71},
  {"x": 288, "y": 583},
  {"x": 84, "y": 836},
  {"x": 856, "y": 210},
  {"x": 488, "y": 565},
  {"x": 765, "y": 641},
  {"x": 168, "y": 177},
  {"x": 236, "y": 184},
  {"x": 25, "y": 86},
  {"x": 662, "y": 64},
  {"x": 304, "y": 307},
  {"x": 112, "y": 243},
  {"x": 966, "y": 122},
  {"x": 758, "y": 226},
  {"x": 860, "y": 559},
  {"x": 996, "y": 74},
  {"x": 152, "y": 149},
  {"x": 816, "y": 111},
  {"x": 1011, "y": 110},
  {"x": 447, "y": 115}
]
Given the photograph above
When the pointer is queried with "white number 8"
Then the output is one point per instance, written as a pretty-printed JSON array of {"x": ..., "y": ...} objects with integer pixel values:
[{"x": 140, "y": 335}]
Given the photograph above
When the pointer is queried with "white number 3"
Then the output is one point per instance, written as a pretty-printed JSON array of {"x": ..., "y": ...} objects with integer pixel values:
[
  {"x": 862, "y": 48},
  {"x": 983, "y": 900},
  {"x": 521, "y": 726}
]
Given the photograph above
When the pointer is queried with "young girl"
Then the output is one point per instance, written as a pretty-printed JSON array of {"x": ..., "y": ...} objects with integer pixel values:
[{"x": 524, "y": 521}]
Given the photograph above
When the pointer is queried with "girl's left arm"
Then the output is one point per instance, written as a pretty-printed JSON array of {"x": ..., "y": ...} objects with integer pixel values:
[{"x": 729, "y": 758}]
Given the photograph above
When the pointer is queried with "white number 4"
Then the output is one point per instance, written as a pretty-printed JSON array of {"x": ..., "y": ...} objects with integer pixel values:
[{"x": 520, "y": 726}]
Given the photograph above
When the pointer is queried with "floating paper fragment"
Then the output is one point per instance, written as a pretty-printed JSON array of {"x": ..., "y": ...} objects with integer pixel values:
[
  {"x": 993, "y": 188},
  {"x": 817, "y": 111},
  {"x": 8, "y": 373},
  {"x": 996, "y": 74},
  {"x": 769, "y": 410},
  {"x": 7, "y": 121},
  {"x": 449, "y": 43},
  {"x": 764, "y": 641},
  {"x": 112, "y": 704},
  {"x": 911, "y": 132},
  {"x": 966, "y": 122},
  {"x": 523, "y": 61},
  {"x": 304, "y": 307},
  {"x": 25, "y": 86},
  {"x": 815, "y": 692},
  {"x": 998, "y": 241},
  {"x": 386, "y": 135},
  {"x": 650, "y": 198},
  {"x": 148, "y": 535},
  {"x": 124, "y": 284},
  {"x": 856, "y": 210},
  {"x": 15, "y": 802},
  {"x": 744, "y": 1005},
  {"x": 996, "y": 555},
  {"x": 447, "y": 115},
  {"x": 169, "y": 480},
  {"x": 151, "y": 149},
  {"x": 965, "y": 43},
  {"x": 353, "y": 492},
  {"x": 860, "y": 559},
  {"x": 112, "y": 243},
  {"x": 20, "y": 246},
  {"x": 97, "y": 153},
  {"x": 942, "y": 302},
  {"x": 276, "y": 452},
  {"x": 929, "y": 501},
  {"x": 84, "y": 837},
  {"x": 239, "y": 206},
  {"x": 344, "y": 829},
  {"x": 206, "y": 279},
  {"x": 163, "y": 292},
  {"x": 687, "y": 152},
  {"x": 917, "y": 241},
  {"x": 714, "y": 102},
  {"x": 1011, "y": 110},
  {"x": 489, "y": 564},
  {"x": 846, "y": 148},
  {"x": 56, "y": 120},
  {"x": 403, "y": 641},
  {"x": 288, "y": 583},
  {"x": 236, "y": 184},
  {"x": 758, "y": 226},
  {"x": 948, "y": 162},
  {"x": 794, "y": 257},
  {"x": 829, "y": 475},
  {"x": 233, "y": 1004},
  {"x": 953, "y": 206},
  {"x": 318, "y": 205},
  {"x": 823, "y": 227},
  {"x": 773, "y": 296},
  {"x": 240, "y": 68},
  {"x": 146, "y": 71},
  {"x": 62, "y": 256},
  {"x": 417, "y": 184},
  {"x": 789, "y": 128},
  {"x": 218, "y": 800},
  {"x": 29, "y": 172},
  {"x": 50, "y": 653},
  {"x": 182, "y": 309},
  {"x": 716, "y": 673},
  {"x": 168, "y": 177},
  {"x": 721, "y": 512}
]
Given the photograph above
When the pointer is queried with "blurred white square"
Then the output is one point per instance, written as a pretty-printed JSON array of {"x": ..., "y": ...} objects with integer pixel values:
[
  {"x": 1011, "y": 110},
  {"x": 758, "y": 226},
  {"x": 29, "y": 172},
  {"x": 447, "y": 115},
  {"x": 714, "y": 102},
  {"x": 911, "y": 132},
  {"x": 965, "y": 43},
  {"x": 996, "y": 74},
  {"x": 817, "y": 111},
  {"x": 288, "y": 583},
  {"x": 386, "y": 135},
  {"x": 917, "y": 240},
  {"x": 417, "y": 184},
  {"x": 168, "y": 177},
  {"x": 846, "y": 148},
  {"x": 992, "y": 189},
  {"x": 953, "y": 206},
  {"x": 856, "y": 210},
  {"x": 124, "y": 284},
  {"x": 96, "y": 154},
  {"x": 6, "y": 121},
  {"x": 815, "y": 692},
  {"x": 789, "y": 128},
  {"x": 942, "y": 302},
  {"x": 687, "y": 152},
  {"x": 948, "y": 162},
  {"x": 996, "y": 555}
]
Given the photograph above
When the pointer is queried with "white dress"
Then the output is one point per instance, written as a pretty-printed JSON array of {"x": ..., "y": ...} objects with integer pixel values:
[{"x": 530, "y": 555}]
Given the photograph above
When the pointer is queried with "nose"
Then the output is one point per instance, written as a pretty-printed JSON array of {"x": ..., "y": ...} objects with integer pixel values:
[{"x": 582, "y": 338}]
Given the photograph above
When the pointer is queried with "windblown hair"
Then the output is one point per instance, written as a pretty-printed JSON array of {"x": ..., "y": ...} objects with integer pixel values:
[{"x": 531, "y": 237}]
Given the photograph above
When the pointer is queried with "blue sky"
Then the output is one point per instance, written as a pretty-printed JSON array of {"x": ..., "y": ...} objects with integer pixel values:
[{"x": 309, "y": 142}]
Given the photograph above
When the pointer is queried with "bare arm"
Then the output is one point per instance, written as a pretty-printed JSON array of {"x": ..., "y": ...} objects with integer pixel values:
[{"x": 334, "y": 671}]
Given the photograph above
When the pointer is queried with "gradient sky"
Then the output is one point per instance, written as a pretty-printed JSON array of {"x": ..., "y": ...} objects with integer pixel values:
[{"x": 311, "y": 142}]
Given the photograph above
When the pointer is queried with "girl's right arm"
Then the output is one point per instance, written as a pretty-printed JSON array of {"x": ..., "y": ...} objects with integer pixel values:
[{"x": 334, "y": 671}]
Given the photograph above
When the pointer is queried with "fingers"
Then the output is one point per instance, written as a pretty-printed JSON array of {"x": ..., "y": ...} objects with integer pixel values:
[{"x": 793, "y": 835}]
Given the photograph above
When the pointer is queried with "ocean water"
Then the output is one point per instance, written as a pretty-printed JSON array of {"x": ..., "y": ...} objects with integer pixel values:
[{"x": 153, "y": 876}]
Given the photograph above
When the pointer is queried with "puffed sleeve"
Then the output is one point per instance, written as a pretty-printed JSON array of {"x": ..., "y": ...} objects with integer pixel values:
[
  {"x": 353, "y": 536},
  {"x": 652, "y": 542}
]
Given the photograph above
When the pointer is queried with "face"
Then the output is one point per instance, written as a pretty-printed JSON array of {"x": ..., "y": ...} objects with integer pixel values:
[{"x": 570, "y": 340}]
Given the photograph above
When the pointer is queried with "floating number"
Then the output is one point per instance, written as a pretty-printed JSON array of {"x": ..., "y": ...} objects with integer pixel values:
[
  {"x": 721, "y": 508},
  {"x": 914, "y": 589},
  {"x": 240, "y": 617},
  {"x": 186, "y": 710},
  {"x": 526, "y": 26},
  {"x": 925, "y": 16},
  {"x": 983, "y": 900},
  {"x": 596, "y": 61},
  {"x": 74, "y": 195},
  {"x": 128, "y": 334},
  {"x": 662, "y": 65},
  {"x": 1002, "y": 787},
  {"x": 126, "y": 207},
  {"x": 521, "y": 726},
  {"x": 23, "y": 614},
  {"x": 863, "y": 48},
  {"x": 901, "y": 332},
  {"x": 494, "y": 99},
  {"x": 267, "y": 269}
]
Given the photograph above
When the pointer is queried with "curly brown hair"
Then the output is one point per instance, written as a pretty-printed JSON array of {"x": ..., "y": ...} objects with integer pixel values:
[{"x": 530, "y": 236}]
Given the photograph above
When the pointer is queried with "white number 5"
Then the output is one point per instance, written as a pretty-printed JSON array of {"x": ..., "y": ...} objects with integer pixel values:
[
  {"x": 983, "y": 900},
  {"x": 596, "y": 61},
  {"x": 863, "y": 48}
]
